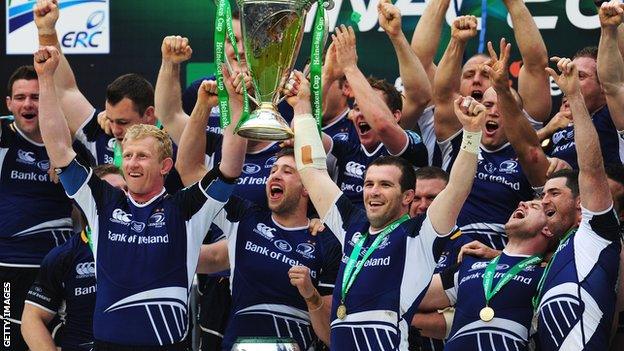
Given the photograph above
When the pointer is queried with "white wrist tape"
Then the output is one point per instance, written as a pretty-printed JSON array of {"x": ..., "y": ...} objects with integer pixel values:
[
  {"x": 448, "y": 314},
  {"x": 309, "y": 151},
  {"x": 471, "y": 141}
]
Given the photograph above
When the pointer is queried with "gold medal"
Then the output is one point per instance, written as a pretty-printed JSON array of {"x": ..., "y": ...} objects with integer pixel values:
[
  {"x": 486, "y": 314},
  {"x": 342, "y": 311}
]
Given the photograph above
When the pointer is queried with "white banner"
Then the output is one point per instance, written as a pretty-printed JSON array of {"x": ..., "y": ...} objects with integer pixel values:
[{"x": 83, "y": 27}]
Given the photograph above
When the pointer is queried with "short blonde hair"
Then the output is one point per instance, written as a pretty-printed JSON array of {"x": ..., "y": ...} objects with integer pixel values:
[{"x": 141, "y": 131}]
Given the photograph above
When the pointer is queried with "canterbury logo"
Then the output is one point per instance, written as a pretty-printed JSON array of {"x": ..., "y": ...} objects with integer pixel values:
[
  {"x": 86, "y": 268},
  {"x": 25, "y": 156},
  {"x": 265, "y": 230},
  {"x": 354, "y": 169},
  {"x": 121, "y": 216}
]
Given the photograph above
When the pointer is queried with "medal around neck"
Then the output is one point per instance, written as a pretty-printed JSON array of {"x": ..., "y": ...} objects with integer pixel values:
[
  {"x": 486, "y": 314},
  {"x": 341, "y": 313}
]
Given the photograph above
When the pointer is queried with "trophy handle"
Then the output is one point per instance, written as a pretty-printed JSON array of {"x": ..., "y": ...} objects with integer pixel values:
[{"x": 228, "y": 65}]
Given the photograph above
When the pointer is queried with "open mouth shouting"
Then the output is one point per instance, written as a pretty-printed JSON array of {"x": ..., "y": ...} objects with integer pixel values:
[
  {"x": 477, "y": 95},
  {"x": 491, "y": 127},
  {"x": 276, "y": 191},
  {"x": 363, "y": 127}
]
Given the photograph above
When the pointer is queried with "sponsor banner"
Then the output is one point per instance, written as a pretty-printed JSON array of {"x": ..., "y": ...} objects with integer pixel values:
[{"x": 83, "y": 27}]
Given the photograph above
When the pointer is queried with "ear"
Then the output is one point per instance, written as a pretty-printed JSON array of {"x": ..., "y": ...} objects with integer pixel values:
[
  {"x": 397, "y": 115},
  {"x": 578, "y": 203},
  {"x": 408, "y": 197},
  {"x": 547, "y": 233},
  {"x": 150, "y": 117},
  {"x": 167, "y": 165},
  {"x": 8, "y": 103}
]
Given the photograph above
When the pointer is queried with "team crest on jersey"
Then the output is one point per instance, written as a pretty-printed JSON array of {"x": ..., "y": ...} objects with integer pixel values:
[
  {"x": 478, "y": 265},
  {"x": 442, "y": 260},
  {"x": 385, "y": 242},
  {"x": 85, "y": 270},
  {"x": 121, "y": 217},
  {"x": 355, "y": 238},
  {"x": 137, "y": 226},
  {"x": 283, "y": 245},
  {"x": 341, "y": 136},
  {"x": 270, "y": 161},
  {"x": 508, "y": 166},
  {"x": 265, "y": 231},
  {"x": 251, "y": 168},
  {"x": 44, "y": 165},
  {"x": 306, "y": 250},
  {"x": 354, "y": 169},
  {"x": 25, "y": 157},
  {"x": 489, "y": 167},
  {"x": 156, "y": 220},
  {"x": 110, "y": 145}
]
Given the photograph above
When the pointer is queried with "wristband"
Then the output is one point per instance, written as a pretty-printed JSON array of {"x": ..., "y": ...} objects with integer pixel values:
[
  {"x": 471, "y": 141},
  {"x": 448, "y": 314},
  {"x": 48, "y": 39},
  {"x": 314, "y": 300},
  {"x": 309, "y": 151}
]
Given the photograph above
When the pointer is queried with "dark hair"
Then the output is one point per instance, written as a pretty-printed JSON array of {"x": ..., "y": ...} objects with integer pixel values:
[
  {"x": 588, "y": 51},
  {"x": 431, "y": 172},
  {"x": 408, "y": 175},
  {"x": 392, "y": 96},
  {"x": 106, "y": 169},
  {"x": 287, "y": 151},
  {"x": 133, "y": 87},
  {"x": 615, "y": 172},
  {"x": 22, "y": 72},
  {"x": 571, "y": 177}
]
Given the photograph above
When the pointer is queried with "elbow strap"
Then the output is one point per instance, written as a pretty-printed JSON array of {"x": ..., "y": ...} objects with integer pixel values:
[{"x": 309, "y": 151}]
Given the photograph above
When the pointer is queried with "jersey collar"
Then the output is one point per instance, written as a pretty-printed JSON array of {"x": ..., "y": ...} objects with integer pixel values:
[{"x": 148, "y": 202}]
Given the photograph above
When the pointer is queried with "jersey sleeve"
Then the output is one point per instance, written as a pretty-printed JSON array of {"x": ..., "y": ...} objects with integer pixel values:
[
  {"x": 415, "y": 151},
  {"x": 233, "y": 212},
  {"x": 427, "y": 131},
  {"x": 596, "y": 231},
  {"x": 88, "y": 133},
  {"x": 331, "y": 264},
  {"x": 341, "y": 216},
  {"x": 47, "y": 290},
  {"x": 450, "y": 282}
]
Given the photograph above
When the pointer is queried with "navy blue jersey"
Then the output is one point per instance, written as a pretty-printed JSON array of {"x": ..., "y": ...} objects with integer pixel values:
[
  {"x": 67, "y": 277},
  {"x": 145, "y": 254},
  {"x": 499, "y": 186},
  {"x": 578, "y": 301},
  {"x": 352, "y": 159},
  {"x": 102, "y": 148},
  {"x": 256, "y": 169},
  {"x": 509, "y": 330},
  {"x": 611, "y": 144},
  {"x": 383, "y": 299},
  {"x": 36, "y": 214},
  {"x": 342, "y": 128},
  {"x": 261, "y": 251}
]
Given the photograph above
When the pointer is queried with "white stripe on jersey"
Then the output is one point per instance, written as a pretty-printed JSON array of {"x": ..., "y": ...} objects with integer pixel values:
[
  {"x": 333, "y": 220},
  {"x": 564, "y": 295},
  {"x": 383, "y": 324},
  {"x": 283, "y": 311},
  {"x": 59, "y": 224},
  {"x": 3, "y": 153},
  {"x": 427, "y": 132},
  {"x": 160, "y": 296},
  {"x": 154, "y": 326},
  {"x": 507, "y": 329}
]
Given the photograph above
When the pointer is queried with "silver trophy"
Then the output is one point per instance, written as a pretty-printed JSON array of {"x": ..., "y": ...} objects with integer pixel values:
[{"x": 272, "y": 34}]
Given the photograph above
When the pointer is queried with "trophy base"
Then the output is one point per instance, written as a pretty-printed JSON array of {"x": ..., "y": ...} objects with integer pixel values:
[{"x": 265, "y": 124}]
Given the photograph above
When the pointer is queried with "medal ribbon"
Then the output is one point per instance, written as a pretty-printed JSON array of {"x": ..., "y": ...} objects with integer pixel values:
[
  {"x": 490, "y": 270},
  {"x": 540, "y": 285},
  {"x": 117, "y": 155},
  {"x": 354, "y": 266},
  {"x": 316, "y": 64},
  {"x": 223, "y": 28}
]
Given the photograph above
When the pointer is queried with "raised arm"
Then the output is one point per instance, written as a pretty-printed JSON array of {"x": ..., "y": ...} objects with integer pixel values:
[
  {"x": 426, "y": 38},
  {"x": 334, "y": 103},
  {"x": 445, "y": 208},
  {"x": 371, "y": 104},
  {"x": 610, "y": 62},
  {"x": 52, "y": 123},
  {"x": 168, "y": 92},
  {"x": 309, "y": 153},
  {"x": 34, "y": 328},
  {"x": 75, "y": 106},
  {"x": 533, "y": 82},
  {"x": 448, "y": 77},
  {"x": 213, "y": 258},
  {"x": 417, "y": 89},
  {"x": 593, "y": 185},
  {"x": 518, "y": 130}
]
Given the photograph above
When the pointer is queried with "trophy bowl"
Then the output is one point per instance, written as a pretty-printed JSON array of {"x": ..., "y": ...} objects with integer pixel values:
[
  {"x": 265, "y": 344},
  {"x": 272, "y": 35}
]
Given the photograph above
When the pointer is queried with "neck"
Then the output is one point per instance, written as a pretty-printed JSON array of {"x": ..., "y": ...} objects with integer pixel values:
[
  {"x": 522, "y": 247},
  {"x": 291, "y": 220},
  {"x": 144, "y": 197},
  {"x": 34, "y": 136},
  {"x": 375, "y": 230}
]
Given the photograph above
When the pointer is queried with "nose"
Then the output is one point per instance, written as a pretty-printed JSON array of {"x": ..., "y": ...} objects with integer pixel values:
[{"x": 118, "y": 131}]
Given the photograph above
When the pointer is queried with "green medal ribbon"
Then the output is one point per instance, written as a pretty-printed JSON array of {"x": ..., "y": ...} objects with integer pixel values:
[
  {"x": 117, "y": 154},
  {"x": 540, "y": 285},
  {"x": 350, "y": 273},
  {"x": 87, "y": 237},
  {"x": 316, "y": 64},
  {"x": 488, "y": 276},
  {"x": 223, "y": 27}
]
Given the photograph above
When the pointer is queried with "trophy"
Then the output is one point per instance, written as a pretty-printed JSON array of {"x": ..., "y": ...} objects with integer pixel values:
[{"x": 272, "y": 35}]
